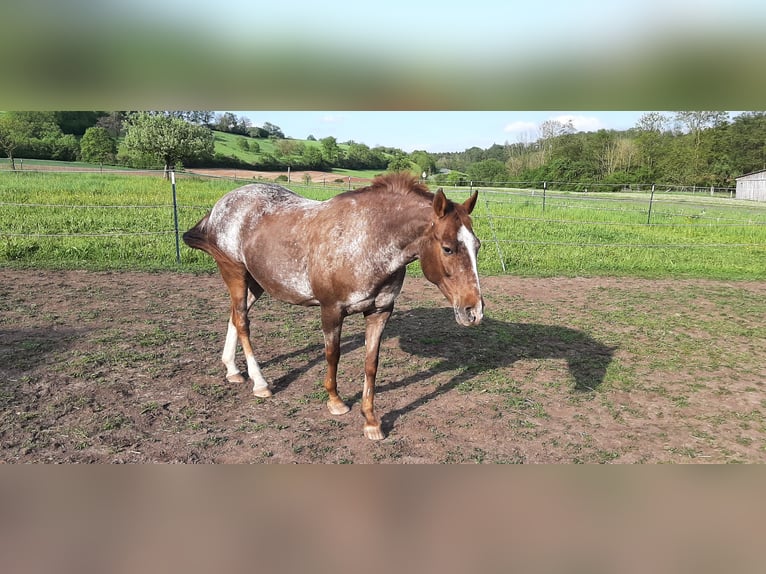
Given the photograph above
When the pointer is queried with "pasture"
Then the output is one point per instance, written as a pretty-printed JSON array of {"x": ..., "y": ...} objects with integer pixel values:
[
  {"x": 607, "y": 340},
  {"x": 107, "y": 221}
]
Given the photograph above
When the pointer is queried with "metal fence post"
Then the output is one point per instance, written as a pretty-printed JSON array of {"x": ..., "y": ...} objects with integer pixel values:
[
  {"x": 494, "y": 234},
  {"x": 651, "y": 201},
  {"x": 175, "y": 215}
]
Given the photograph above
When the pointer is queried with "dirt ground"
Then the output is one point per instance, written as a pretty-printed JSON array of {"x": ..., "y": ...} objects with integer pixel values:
[{"x": 125, "y": 367}]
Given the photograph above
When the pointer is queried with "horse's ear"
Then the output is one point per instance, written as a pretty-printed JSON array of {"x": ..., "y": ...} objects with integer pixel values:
[
  {"x": 441, "y": 203},
  {"x": 470, "y": 203}
]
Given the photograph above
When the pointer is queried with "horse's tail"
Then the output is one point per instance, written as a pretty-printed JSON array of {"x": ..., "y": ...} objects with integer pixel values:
[{"x": 198, "y": 238}]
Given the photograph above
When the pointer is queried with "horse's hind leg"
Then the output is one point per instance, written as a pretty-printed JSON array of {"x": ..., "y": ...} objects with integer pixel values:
[
  {"x": 244, "y": 291},
  {"x": 233, "y": 374}
]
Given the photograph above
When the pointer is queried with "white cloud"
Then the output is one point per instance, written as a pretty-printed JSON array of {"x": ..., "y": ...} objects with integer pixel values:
[
  {"x": 520, "y": 127},
  {"x": 332, "y": 119},
  {"x": 582, "y": 123}
]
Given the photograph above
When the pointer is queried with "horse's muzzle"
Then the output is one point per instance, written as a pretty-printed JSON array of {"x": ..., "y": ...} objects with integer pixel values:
[{"x": 469, "y": 316}]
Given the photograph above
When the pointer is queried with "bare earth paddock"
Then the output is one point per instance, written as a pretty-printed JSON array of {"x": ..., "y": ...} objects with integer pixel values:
[{"x": 125, "y": 367}]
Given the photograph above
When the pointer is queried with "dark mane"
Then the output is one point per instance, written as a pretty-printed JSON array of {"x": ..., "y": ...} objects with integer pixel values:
[{"x": 397, "y": 183}]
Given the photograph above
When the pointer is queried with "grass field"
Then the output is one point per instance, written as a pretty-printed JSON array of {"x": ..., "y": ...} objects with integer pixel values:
[
  {"x": 613, "y": 234},
  {"x": 118, "y": 221}
]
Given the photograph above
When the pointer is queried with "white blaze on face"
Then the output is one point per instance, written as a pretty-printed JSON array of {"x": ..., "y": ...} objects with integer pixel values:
[{"x": 467, "y": 238}]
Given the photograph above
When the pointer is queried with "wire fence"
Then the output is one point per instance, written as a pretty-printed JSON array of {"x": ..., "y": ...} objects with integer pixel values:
[{"x": 509, "y": 217}]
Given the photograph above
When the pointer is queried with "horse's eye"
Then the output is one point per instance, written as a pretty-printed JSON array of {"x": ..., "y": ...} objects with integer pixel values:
[{"x": 447, "y": 250}]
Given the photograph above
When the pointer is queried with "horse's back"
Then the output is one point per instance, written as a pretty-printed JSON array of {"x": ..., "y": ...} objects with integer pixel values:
[
  {"x": 239, "y": 213},
  {"x": 259, "y": 198}
]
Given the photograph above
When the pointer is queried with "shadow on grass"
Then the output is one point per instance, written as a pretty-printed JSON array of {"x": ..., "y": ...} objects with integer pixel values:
[
  {"x": 468, "y": 352},
  {"x": 23, "y": 350}
]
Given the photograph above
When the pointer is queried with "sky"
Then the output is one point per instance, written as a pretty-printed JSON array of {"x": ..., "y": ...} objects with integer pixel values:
[
  {"x": 430, "y": 28},
  {"x": 395, "y": 55},
  {"x": 434, "y": 131}
]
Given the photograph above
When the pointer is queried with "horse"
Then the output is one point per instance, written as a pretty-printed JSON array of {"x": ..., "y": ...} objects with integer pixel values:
[{"x": 347, "y": 255}]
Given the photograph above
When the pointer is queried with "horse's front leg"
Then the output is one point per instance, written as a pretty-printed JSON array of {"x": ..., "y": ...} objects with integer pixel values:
[
  {"x": 375, "y": 323},
  {"x": 332, "y": 323}
]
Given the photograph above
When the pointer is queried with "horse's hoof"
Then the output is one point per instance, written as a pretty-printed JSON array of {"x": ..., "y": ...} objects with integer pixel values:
[
  {"x": 236, "y": 378},
  {"x": 262, "y": 392},
  {"x": 337, "y": 408},
  {"x": 373, "y": 432}
]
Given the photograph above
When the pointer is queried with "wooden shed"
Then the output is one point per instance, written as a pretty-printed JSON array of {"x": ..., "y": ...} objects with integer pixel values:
[{"x": 752, "y": 186}]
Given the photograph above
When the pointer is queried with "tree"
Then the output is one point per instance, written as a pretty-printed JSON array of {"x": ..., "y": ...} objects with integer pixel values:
[
  {"x": 424, "y": 160},
  {"x": 360, "y": 156},
  {"x": 112, "y": 123},
  {"x": 76, "y": 122},
  {"x": 694, "y": 123},
  {"x": 256, "y": 132},
  {"x": 488, "y": 171},
  {"x": 312, "y": 157},
  {"x": 98, "y": 146},
  {"x": 747, "y": 143},
  {"x": 12, "y": 132},
  {"x": 287, "y": 147},
  {"x": 273, "y": 131},
  {"x": 168, "y": 139},
  {"x": 37, "y": 135},
  {"x": 400, "y": 162},
  {"x": 331, "y": 151},
  {"x": 551, "y": 129},
  {"x": 225, "y": 122},
  {"x": 652, "y": 139},
  {"x": 653, "y": 122}
]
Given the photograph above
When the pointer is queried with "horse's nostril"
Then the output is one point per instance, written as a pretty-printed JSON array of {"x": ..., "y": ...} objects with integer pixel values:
[{"x": 474, "y": 315}]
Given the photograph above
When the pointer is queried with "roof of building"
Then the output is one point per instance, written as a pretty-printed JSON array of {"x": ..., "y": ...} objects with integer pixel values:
[{"x": 751, "y": 174}]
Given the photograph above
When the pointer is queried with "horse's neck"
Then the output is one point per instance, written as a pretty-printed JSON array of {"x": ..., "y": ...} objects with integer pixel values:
[{"x": 412, "y": 224}]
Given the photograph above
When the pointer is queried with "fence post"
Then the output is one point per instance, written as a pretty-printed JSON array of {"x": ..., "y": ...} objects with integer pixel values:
[
  {"x": 494, "y": 234},
  {"x": 651, "y": 201},
  {"x": 175, "y": 215},
  {"x": 545, "y": 187}
]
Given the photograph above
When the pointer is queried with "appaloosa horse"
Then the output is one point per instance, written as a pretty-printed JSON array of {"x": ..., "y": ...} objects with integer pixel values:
[{"x": 347, "y": 254}]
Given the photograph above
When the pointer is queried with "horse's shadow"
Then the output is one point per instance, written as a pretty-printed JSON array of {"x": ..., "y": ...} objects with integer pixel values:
[
  {"x": 492, "y": 345},
  {"x": 468, "y": 353}
]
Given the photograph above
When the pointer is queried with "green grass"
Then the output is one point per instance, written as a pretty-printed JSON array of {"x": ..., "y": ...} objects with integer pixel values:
[
  {"x": 31, "y": 164},
  {"x": 119, "y": 221},
  {"x": 228, "y": 144},
  {"x": 607, "y": 234}
]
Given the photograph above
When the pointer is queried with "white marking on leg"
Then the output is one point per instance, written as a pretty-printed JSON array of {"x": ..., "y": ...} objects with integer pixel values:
[
  {"x": 230, "y": 350},
  {"x": 254, "y": 372}
]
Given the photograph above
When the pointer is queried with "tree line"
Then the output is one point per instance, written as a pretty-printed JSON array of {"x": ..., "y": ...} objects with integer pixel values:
[
  {"x": 171, "y": 139},
  {"x": 700, "y": 148}
]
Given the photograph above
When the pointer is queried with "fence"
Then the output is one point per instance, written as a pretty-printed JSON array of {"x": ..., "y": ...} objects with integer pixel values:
[
  {"x": 530, "y": 231},
  {"x": 589, "y": 186}
]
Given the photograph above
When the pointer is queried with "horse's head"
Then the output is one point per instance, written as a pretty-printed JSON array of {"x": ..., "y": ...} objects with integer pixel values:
[{"x": 448, "y": 257}]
